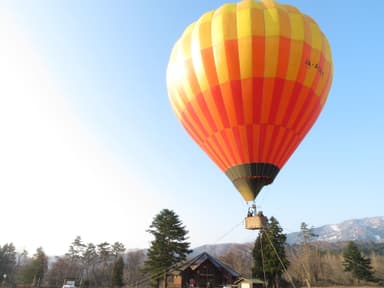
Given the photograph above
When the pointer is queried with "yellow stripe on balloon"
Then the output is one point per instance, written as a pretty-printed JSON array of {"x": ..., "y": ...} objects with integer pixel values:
[
  {"x": 224, "y": 25},
  {"x": 244, "y": 34},
  {"x": 271, "y": 20},
  {"x": 297, "y": 21},
  {"x": 201, "y": 39}
]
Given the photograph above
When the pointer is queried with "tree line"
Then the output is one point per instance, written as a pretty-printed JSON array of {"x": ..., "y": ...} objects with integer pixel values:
[
  {"x": 308, "y": 263},
  {"x": 89, "y": 265},
  {"x": 268, "y": 259}
]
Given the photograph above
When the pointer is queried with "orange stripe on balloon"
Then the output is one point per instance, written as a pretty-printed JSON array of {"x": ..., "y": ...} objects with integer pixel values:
[
  {"x": 190, "y": 128},
  {"x": 212, "y": 153},
  {"x": 250, "y": 143},
  {"x": 197, "y": 112},
  {"x": 284, "y": 56},
  {"x": 310, "y": 121},
  {"x": 258, "y": 84},
  {"x": 258, "y": 59},
  {"x": 326, "y": 88},
  {"x": 216, "y": 146},
  {"x": 286, "y": 148},
  {"x": 322, "y": 78},
  {"x": 208, "y": 116},
  {"x": 304, "y": 68},
  {"x": 219, "y": 103},
  {"x": 312, "y": 106},
  {"x": 279, "y": 137},
  {"x": 238, "y": 148},
  {"x": 268, "y": 130},
  {"x": 268, "y": 88},
  {"x": 227, "y": 98},
  {"x": 232, "y": 54},
  {"x": 285, "y": 99},
  {"x": 199, "y": 125},
  {"x": 276, "y": 99},
  {"x": 181, "y": 95},
  {"x": 291, "y": 147},
  {"x": 209, "y": 66},
  {"x": 213, "y": 109},
  {"x": 237, "y": 97},
  {"x": 305, "y": 104},
  {"x": 248, "y": 100},
  {"x": 292, "y": 103},
  {"x": 228, "y": 148},
  {"x": 217, "y": 142},
  {"x": 244, "y": 143},
  {"x": 256, "y": 142},
  {"x": 300, "y": 103},
  {"x": 262, "y": 142}
]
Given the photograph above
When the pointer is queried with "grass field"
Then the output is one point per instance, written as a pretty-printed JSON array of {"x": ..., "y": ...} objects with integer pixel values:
[{"x": 344, "y": 286}]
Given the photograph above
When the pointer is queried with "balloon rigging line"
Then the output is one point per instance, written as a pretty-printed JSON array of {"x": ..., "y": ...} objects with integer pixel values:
[
  {"x": 281, "y": 262},
  {"x": 162, "y": 271},
  {"x": 262, "y": 259},
  {"x": 228, "y": 232}
]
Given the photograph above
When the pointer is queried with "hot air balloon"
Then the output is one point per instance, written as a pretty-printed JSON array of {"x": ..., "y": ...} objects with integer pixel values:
[{"x": 247, "y": 82}]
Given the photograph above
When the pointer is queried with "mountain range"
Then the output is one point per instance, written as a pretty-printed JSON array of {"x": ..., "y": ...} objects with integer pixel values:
[
  {"x": 363, "y": 230},
  {"x": 366, "y": 230}
]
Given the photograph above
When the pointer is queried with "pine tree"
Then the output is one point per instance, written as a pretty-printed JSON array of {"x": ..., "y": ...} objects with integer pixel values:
[
  {"x": 169, "y": 246},
  {"x": 41, "y": 265},
  {"x": 7, "y": 263},
  {"x": 33, "y": 273},
  {"x": 270, "y": 260},
  {"x": 118, "y": 272},
  {"x": 307, "y": 233},
  {"x": 358, "y": 265}
]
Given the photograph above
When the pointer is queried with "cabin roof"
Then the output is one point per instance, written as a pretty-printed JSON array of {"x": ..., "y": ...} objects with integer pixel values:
[{"x": 195, "y": 263}]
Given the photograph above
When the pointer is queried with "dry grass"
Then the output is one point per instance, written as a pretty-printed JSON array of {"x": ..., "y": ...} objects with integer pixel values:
[{"x": 373, "y": 286}]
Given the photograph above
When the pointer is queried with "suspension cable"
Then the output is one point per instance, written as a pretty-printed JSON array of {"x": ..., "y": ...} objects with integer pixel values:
[
  {"x": 163, "y": 271},
  {"x": 262, "y": 257},
  {"x": 281, "y": 261}
]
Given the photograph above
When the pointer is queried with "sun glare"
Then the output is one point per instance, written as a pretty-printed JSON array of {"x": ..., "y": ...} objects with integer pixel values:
[{"x": 52, "y": 169}]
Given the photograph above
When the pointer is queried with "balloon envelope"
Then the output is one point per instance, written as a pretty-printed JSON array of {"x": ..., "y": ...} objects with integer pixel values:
[{"x": 247, "y": 81}]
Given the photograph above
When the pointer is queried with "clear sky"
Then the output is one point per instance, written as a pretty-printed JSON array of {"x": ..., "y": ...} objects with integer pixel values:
[{"x": 89, "y": 145}]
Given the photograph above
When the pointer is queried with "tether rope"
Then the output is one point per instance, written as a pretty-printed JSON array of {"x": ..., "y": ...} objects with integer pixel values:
[
  {"x": 281, "y": 261},
  {"x": 262, "y": 258},
  {"x": 163, "y": 271}
]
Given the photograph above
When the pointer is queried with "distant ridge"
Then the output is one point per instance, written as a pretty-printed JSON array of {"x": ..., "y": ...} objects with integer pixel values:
[
  {"x": 217, "y": 250},
  {"x": 366, "y": 229},
  {"x": 362, "y": 230}
]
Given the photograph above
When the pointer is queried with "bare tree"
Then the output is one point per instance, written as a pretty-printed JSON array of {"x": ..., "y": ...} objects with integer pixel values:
[
  {"x": 133, "y": 268},
  {"x": 239, "y": 258}
]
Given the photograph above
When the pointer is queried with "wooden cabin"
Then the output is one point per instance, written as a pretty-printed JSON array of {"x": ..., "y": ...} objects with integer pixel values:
[{"x": 201, "y": 271}]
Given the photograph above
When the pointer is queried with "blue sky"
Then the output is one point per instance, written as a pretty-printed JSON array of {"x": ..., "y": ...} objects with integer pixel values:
[{"x": 91, "y": 147}]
